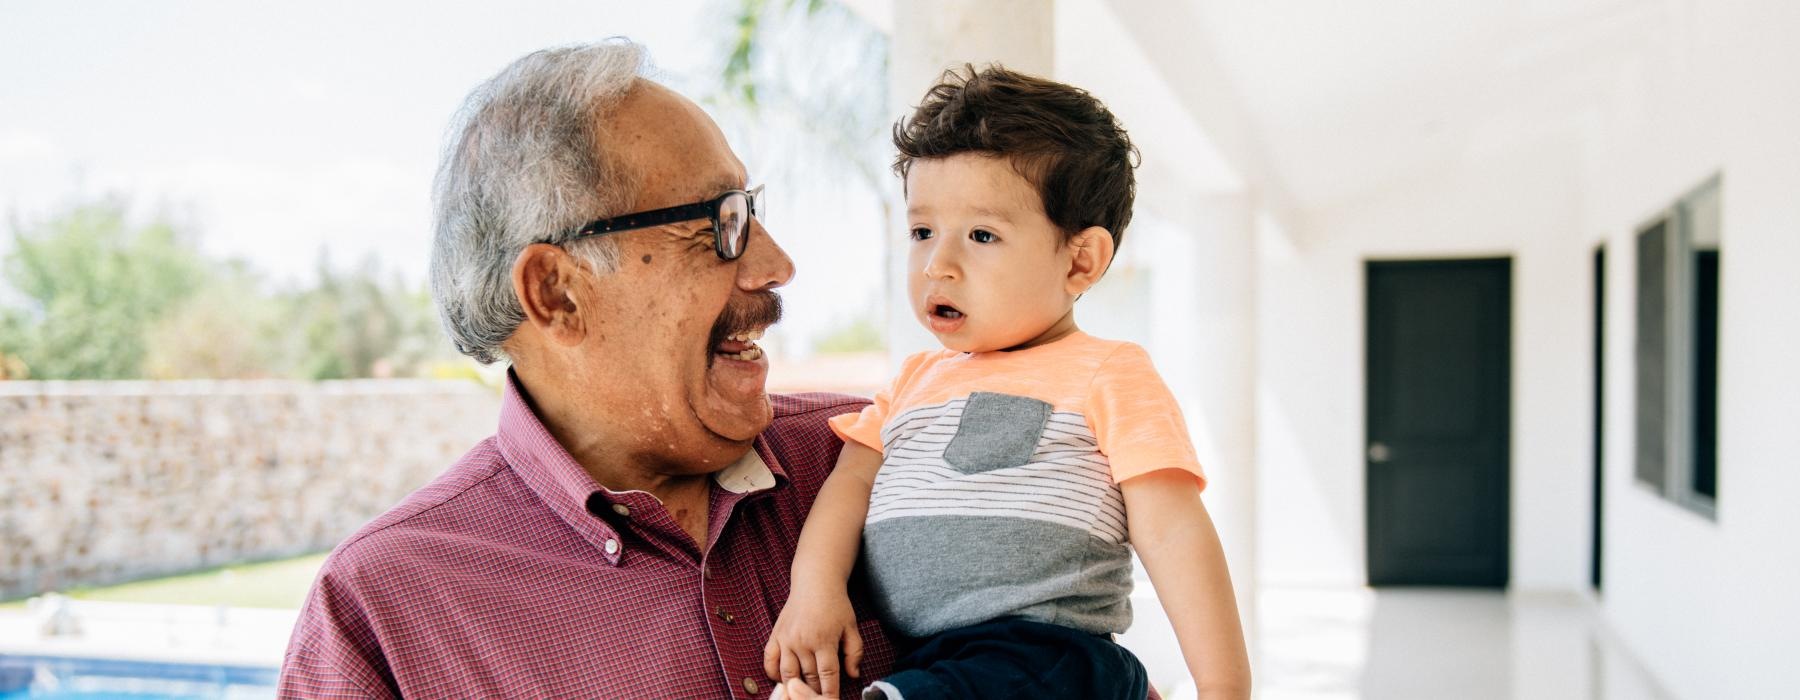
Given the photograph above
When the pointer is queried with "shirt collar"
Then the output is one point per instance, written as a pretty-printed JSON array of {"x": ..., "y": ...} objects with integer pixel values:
[{"x": 583, "y": 503}]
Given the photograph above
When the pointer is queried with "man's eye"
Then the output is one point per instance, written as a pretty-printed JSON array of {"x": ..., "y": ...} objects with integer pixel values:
[
  {"x": 980, "y": 236},
  {"x": 920, "y": 233}
]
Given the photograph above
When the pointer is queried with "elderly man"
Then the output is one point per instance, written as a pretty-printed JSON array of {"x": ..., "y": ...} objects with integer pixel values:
[{"x": 627, "y": 531}]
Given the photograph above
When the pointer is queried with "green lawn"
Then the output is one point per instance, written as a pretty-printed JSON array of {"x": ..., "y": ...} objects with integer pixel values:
[{"x": 271, "y": 584}]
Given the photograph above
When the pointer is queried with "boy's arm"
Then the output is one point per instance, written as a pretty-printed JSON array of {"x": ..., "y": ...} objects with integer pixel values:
[
  {"x": 804, "y": 643},
  {"x": 1175, "y": 538},
  {"x": 833, "y": 532}
]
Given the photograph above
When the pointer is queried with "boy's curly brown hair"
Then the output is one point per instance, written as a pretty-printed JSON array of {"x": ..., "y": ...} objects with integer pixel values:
[{"x": 1058, "y": 137}]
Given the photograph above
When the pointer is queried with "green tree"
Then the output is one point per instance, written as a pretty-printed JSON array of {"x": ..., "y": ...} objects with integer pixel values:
[
  {"x": 229, "y": 329},
  {"x": 355, "y": 324},
  {"x": 93, "y": 297},
  {"x": 87, "y": 285}
]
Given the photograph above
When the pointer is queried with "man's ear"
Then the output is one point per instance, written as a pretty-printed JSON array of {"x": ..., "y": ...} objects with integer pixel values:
[
  {"x": 543, "y": 278},
  {"x": 1092, "y": 253}
]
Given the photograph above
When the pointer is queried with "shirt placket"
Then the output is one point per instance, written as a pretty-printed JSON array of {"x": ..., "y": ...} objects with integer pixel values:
[
  {"x": 728, "y": 586},
  {"x": 731, "y": 586}
]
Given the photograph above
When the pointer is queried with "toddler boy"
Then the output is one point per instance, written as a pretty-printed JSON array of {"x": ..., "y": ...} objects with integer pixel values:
[{"x": 996, "y": 489}]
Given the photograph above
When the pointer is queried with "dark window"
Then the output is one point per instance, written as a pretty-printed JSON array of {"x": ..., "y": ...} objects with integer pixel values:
[{"x": 1678, "y": 351}]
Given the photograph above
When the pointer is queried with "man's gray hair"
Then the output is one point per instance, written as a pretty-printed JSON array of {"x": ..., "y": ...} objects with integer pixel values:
[{"x": 522, "y": 166}]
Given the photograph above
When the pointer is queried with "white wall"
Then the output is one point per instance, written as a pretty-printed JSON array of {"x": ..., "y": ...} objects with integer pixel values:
[
  {"x": 1711, "y": 606},
  {"x": 1521, "y": 204},
  {"x": 1708, "y": 605}
]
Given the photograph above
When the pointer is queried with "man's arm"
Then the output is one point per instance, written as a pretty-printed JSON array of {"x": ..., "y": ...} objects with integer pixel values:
[
  {"x": 1175, "y": 538},
  {"x": 333, "y": 650},
  {"x": 331, "y": 654},
  {"x": 305, "y": 674},
  {"x": 818, "y": 615}
]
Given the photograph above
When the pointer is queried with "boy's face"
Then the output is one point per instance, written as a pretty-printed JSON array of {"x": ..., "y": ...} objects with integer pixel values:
[{"x": 987, "y": 269}]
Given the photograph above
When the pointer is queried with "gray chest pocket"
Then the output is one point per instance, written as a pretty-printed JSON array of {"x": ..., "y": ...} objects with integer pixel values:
[{"x": 996, "y": 431}]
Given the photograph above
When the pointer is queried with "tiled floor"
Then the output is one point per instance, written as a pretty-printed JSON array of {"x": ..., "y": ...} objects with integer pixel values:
[
  {"x": 1316, "y": 644},
  {"x": 1414, "y": 644},
  {"x": 1401, "y": 644}
]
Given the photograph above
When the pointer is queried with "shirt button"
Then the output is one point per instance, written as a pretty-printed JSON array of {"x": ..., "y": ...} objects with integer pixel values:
[
  {"x": 750, "y": 686},
  {"x": 622, "y": 509},
  {"x": 612, "y": 546},
  {"x": 727, "y": 617}
]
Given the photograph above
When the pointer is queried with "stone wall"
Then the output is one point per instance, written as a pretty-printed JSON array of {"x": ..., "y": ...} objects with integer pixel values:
[{"x": 102, "y": 482}]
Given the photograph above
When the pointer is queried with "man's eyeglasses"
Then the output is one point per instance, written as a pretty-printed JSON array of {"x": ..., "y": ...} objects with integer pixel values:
[{"x": 730, "y": 214}]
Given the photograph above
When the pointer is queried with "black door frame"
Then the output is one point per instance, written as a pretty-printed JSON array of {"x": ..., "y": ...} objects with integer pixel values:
[{"x": 1599, "y": 466}]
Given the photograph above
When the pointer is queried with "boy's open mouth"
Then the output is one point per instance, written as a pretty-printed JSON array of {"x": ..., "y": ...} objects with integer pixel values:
[{"x": 941, "y": 316}]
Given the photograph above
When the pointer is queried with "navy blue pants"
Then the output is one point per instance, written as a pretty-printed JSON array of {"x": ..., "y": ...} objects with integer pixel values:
[{"x": 1014, "y": 658}]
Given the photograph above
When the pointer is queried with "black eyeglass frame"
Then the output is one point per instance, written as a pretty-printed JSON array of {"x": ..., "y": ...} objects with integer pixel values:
[{"x": 708, "y": 209}]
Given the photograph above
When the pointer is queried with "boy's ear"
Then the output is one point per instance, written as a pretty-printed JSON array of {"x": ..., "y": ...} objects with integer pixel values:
[
  {"x": 543, "y": 278},
  {"x": 1092, "y": 250}
]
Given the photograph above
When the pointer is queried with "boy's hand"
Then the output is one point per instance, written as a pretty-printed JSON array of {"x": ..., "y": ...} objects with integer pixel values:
[
  {"x": 805, "y": 641},
  {"x": 794, "y": 690}
]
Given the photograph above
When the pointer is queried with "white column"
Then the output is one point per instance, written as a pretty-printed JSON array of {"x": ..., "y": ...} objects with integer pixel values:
[
  {"x": 1204, "y": 343},
  {"x": 929, "y": 37}
]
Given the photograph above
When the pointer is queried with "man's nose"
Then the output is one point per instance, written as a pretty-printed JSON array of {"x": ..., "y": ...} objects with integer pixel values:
[{"x": 764, "y": 265}]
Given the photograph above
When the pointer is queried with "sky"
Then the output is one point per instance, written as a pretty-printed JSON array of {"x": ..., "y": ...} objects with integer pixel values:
[{"x": 284, "y": 131}]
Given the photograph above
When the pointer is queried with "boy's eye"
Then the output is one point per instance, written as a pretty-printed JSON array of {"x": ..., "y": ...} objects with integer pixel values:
[
  {"x": 980, "y": 236},
  {"x": 920, "y": 233}
]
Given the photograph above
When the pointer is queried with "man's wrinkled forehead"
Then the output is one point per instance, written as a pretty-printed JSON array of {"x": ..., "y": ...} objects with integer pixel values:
[{"x": 679, "y": 153}]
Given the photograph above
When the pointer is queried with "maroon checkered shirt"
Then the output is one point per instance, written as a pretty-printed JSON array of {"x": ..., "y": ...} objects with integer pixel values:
[{"x": 514, "y": 574}]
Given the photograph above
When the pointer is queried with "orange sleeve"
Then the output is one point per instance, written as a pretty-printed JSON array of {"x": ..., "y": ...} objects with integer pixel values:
[
  {"x": 1136, "y": 419},
  {"x": 865, "y": 426}
]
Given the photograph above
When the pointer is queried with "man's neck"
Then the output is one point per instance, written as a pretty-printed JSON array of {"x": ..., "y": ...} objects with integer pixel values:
[{"x": 613, "y": 459}]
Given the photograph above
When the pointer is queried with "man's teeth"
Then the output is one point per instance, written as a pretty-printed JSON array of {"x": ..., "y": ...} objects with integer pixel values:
[{"x": 748, "y": 338}]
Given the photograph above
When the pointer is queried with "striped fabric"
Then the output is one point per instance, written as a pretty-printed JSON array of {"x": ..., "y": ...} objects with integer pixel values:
[
  {"x": 998, "y": 491},
  {"x": 1066, "y": 482},
  {"x": 515, "y": 575}
]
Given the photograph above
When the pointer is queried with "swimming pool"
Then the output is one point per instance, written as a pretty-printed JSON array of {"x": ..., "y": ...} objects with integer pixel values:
[{"x": 111, "y": 679}]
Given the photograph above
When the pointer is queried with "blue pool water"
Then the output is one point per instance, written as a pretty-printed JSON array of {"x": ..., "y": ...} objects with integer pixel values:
[{"x": 108, "y": 679}]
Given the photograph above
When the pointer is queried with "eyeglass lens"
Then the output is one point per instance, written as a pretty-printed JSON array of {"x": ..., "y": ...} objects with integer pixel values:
[{"x": 734, "y": 225}]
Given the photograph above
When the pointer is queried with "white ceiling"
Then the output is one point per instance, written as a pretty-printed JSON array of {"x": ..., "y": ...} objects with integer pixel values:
[
  {"x": 1320, "y": 102},
  {"x": 1346, "y": 97}
]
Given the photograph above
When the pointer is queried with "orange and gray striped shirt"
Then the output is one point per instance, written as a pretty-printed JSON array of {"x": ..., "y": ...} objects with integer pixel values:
[{"x": 998, "y": 491}]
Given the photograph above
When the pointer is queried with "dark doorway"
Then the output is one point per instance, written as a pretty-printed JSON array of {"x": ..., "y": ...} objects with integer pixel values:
[
  {"x": 1706, "y": 374},
  {"x": 1439, "y": 407},
  {"x": 1599, "y": 409}
]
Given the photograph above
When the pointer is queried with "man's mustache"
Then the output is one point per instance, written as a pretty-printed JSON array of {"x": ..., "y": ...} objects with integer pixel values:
[{"x": 757, "y": 310}]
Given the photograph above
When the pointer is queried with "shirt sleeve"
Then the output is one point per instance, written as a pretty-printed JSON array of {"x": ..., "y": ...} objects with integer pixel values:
[
  {"x": 1136, "y": 419},
  {"x": 865, "y": 427},
  {"x": 307, "y": 674},
  {"x": 333, "y": 652}
]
